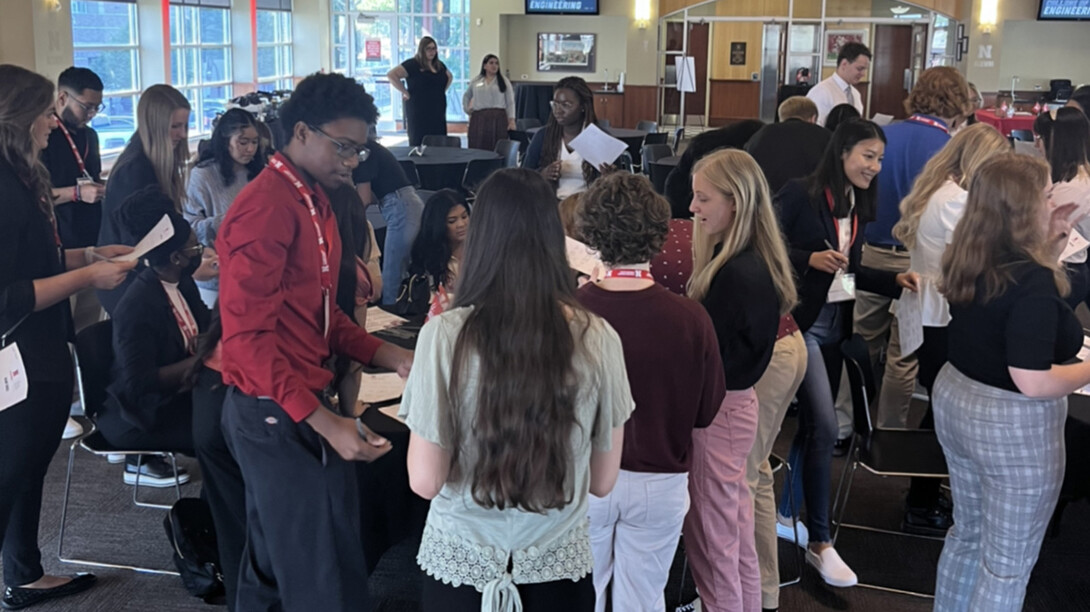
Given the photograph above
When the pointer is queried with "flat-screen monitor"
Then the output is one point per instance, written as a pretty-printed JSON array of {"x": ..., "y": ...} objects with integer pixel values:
[
  {"x": 1060, "y": 10},
  {"x": 561, "y": 7}
]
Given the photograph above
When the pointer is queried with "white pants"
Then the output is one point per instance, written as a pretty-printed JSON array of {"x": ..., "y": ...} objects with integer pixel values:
[{"x": 634, "y": 534}]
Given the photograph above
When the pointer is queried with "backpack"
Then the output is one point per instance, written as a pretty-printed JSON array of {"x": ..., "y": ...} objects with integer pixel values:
[
  {"x": 192, "y": 535},
  {"x": 414, "y": 296}
]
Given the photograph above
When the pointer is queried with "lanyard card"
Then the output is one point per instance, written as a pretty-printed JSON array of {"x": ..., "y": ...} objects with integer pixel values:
[
  {"x": 13, "y": 383},
  {"x": 843, "y": 287}
]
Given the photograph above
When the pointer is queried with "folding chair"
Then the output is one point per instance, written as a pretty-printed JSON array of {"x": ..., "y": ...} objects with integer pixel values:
[
  {"x": 509, "y": 151},
  {"x": 651, "y": 153},
  {"x": 648, "y": 126},
  {"x": 477, "y": 170}
]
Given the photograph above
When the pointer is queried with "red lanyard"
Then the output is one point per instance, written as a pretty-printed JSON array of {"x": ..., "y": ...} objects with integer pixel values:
[
  {"x": 75, "y": 151},
  {"x": 185, "y": 321},
  {"x": 926, "y": 121},
  {"x": 629, "y": 273},
  {"x": 323, "y": 246},
  {"x": 836, "y": 222}
]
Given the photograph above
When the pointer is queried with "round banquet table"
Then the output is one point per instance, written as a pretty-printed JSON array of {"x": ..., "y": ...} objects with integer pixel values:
[{"x": 442, "y": 167}]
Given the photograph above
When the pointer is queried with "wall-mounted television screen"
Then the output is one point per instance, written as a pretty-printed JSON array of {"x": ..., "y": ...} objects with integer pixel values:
[
  {"x": 1060, "y": 9},
  {"x": 561, "y": 7}
]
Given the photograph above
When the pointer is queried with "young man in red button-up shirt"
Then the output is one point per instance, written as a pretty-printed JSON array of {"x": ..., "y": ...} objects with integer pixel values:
[{"x": 279, "y": 253}]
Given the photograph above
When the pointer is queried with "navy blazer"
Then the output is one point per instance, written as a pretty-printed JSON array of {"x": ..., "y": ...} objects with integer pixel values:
[
  {"x": 807, "y": 224},
  {"x": 146, "y": 338}
]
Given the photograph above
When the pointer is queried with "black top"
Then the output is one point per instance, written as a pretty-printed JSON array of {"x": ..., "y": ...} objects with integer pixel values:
[
  {"x": 807, "y": 225},
  {"x": 28, "y": 251},
  {"x": 426, "y": 109},
  {"x": 1028, "y": 327},
  {"x": 352, "y": 226},
  {"x": 77, "y": 222},
  {"x": 788, "y": 150},
  {"x": 382, "y": 170},
  {"x": 132, "y": 172},
  {"x": 146, "y": 338},
  {"x": 745, "y": 310}
]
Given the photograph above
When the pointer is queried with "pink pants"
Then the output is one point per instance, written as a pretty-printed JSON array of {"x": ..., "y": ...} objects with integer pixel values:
[{"x": 719, "y": 531}]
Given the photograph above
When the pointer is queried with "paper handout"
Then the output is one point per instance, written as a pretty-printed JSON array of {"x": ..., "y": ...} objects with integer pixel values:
[
  {"x": 1075, "y": 243},
  {"x": 378, "y": 319},
  {"x": 582, "y": 258},
  {"x": 910, "y": 321},
  {"x": 596, "y": 147},
  {"x": 882, "y": 119},
  {"x": 376, "y": 388},
  {"x": 159, "y": 234}
]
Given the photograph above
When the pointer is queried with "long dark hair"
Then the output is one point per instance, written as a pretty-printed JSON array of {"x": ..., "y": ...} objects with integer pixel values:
[
  {"x": 515, "y": 276},
  {"x": 830, "y": 171},
  {"x": 554, "y": 133},
  {"x": 232, "y": 122},
  {"x": 24, "y": 97},
  {"x": 431, "y": 250},
  {"x": 1067, "y": 142},
  {"x": 502, "y": 82},
  {"x": 839, "y": 114}
]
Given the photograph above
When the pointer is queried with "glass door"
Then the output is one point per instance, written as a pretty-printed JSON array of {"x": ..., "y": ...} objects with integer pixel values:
[{"x": 373, "y": 52}]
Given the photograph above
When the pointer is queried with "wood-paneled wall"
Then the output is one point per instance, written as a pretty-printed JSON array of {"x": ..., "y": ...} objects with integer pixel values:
[
  {"x": 725, "y": 33},
  {"x": 640, "y": 103},
  {"x": 733, "y": 100}
]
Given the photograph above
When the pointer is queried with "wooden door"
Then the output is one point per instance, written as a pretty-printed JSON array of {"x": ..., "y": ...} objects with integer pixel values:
[{"x": 891, "y": 70}]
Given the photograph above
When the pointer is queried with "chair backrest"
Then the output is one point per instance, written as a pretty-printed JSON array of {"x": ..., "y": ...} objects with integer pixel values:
[
  {"x": 477, "y": 170},
  {"x": 438, "y": 140},
  {"x": 525, "y": 124},
  {"x": 409, "y": 168},
  {"x": 647, "y": 126},
  {"x": 655, "y": 138},
  {"x": 625, "y": 162},
  {"x": 678, "y": 135},
  {"x": 658, "y": 175},
  {"x": 652, "y": 153},
  {"x": 1023, "y": 135},
  {"x": 94, "y": 359},
  {"x": 604, "y": 124},
  {"x": 509, "y": 150},
  {"x": 861, "y": 379}
]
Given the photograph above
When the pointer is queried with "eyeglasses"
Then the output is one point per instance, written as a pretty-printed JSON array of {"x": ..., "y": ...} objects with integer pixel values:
[
  {"x": 87, "y": 108},
  {"x": 194, "y": 251},
  {"x": 345, "y": 151},
  {"x": 564, "y": 105}
]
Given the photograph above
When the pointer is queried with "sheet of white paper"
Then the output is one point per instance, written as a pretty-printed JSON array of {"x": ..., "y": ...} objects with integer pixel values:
[
  {"x": 1075, "y": 243},
  {"x": 596, "y": 147},
  {"x": 391, "y": 411},
  {"x": 1085, "y": 351},
  {"x": 583, "y": 258},
  {"x": 159, "y": 234},
  {"x": 381, "y": 387},
  {"x": 882, "y": 119},
  {"x": 13, "y": 383},
  {"x": 910, "y": 321},
  {"x": 379, "y": 319},
  {"x": 686, "y": 73},
  {"x": 843, "y": 287}
]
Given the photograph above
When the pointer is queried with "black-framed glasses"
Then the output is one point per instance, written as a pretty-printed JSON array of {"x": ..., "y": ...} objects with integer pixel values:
[
  {"x": 87, "y": 108},
  {"x": 345, "y": 151}
]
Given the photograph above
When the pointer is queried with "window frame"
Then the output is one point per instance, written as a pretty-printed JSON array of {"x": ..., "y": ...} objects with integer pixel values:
[
  {"x": 284, "y": 50},
  {"x": 132, "y": 48},
  {"x": 195, "y": 91}
]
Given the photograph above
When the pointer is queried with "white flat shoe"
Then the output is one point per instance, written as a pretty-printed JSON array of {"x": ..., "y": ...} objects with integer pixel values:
[
  {"x": 785, "y": 532},
  {"x": 832, "y": 568}
]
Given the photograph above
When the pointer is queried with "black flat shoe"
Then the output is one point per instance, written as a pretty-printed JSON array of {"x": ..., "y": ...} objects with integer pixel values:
[
  {"x": 926, "y": 521},
  {"x": 17, "y": 598}
]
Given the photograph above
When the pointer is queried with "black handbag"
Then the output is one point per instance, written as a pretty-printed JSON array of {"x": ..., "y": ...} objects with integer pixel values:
[
  {"x": 414, "y": 296},
  {"x": 192, "y": 535}
]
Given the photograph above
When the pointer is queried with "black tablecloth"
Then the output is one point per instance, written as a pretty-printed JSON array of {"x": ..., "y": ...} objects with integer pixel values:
[
  {"x": 441, "y": 167},
  {"x": 532, "y": 101}
]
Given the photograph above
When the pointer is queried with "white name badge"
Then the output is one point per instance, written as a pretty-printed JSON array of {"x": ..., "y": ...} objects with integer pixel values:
[
  {"x": 843, "y": 287},
  {"x": 13, "y": 384}
]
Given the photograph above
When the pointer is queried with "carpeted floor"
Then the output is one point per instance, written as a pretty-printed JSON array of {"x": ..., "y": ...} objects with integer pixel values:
[{"x": 103, "y": 524}]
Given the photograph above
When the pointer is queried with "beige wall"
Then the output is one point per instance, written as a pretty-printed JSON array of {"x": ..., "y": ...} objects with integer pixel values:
[{"x": 35, "y": 36}]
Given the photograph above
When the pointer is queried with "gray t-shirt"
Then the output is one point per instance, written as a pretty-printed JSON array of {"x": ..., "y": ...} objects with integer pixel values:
[{"x": 465, "y": 543}]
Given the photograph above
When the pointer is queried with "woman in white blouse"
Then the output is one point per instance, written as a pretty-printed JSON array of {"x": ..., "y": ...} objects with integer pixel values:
[
  {"x": 929, "y": 214},
  {"x": 489, "y": 101}
]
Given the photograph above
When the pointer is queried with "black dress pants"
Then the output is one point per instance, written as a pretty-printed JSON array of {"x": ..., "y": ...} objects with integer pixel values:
[
  {"x": 303, "y": 548},
  {"x": 30, "y": 432},
  {"x": 173, "y": 431},
  {"x": 223, "y": 486}
]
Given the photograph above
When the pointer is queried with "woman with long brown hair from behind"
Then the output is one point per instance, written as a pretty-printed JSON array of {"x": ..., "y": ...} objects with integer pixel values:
[
  {"x": 37, "y": 277},
  {"x": 516, "y": 402},
  {"x": 156, "y": 155}
]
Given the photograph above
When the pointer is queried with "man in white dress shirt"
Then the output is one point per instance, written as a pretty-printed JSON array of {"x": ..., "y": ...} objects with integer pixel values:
[{"x": 852, "y": 64}]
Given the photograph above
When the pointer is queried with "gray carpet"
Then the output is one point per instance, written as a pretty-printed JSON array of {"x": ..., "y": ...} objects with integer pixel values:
[{"x": 103, "y": 524}]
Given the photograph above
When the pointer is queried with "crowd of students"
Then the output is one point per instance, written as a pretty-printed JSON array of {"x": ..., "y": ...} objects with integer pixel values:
[{"x": 566, "y": 432}]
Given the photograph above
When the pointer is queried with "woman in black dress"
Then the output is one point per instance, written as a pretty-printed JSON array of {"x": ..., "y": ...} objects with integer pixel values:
[{"x": 424, "y": 91}]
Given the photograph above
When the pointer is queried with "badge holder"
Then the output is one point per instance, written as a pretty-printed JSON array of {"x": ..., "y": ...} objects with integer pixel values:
[{"x": 843, "y": 287}]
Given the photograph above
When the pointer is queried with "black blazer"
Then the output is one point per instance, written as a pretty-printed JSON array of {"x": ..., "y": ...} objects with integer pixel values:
[
  {"x": 807, "y": 224},
  {"x": 28, "y": 251},
  {"x": 146, "y": 338},
  {"x": 788, "y": 150},
  {"x": 132, "y": 172}
]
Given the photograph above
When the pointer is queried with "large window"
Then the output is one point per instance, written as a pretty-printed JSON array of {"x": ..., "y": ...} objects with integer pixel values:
[
  {"x": 200, "y": 57},
  {"x": 105, "y": 40},
  {"x": 274, "y": 58},
  {"x": 372, "y": 36}
]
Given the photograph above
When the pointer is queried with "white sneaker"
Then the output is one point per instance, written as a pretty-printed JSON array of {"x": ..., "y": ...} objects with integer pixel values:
[
  {"x": 832, "y": 568},
  {"x": 785, "y": 532},
  {"x": 114, "y": 458},
  {"x": 72, "y": 430}
]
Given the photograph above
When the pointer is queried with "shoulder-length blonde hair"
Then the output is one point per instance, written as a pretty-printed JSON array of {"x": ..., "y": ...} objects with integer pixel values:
[
  {"x": 1001, "y": 225},
  {"x": 24, "y": 97},
  {"x": 957, "y": 161},
  {"x": 153, "y": 114},
  {"x": 735, "y": 173}
]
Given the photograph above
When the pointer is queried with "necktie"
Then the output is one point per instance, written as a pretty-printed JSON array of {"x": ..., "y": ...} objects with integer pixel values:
[{"x": 848, "y": 93}]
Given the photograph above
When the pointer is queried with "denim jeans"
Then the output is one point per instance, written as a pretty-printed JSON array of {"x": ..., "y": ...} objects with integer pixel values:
[
  {"x": 402, "y": 210},
  {"x": 811, "y": 454}
]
